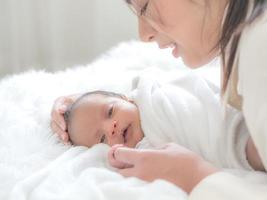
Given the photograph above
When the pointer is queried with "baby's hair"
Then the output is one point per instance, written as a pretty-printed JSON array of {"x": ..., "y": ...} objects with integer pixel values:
[{"x": 68, "y": 114}]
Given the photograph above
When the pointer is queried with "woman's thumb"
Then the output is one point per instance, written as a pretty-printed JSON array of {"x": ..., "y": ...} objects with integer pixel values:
[{"x": 126, "y": 155}]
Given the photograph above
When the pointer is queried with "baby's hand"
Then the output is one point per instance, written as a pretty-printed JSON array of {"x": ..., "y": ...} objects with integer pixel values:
[{"x": 112, "y": 159}]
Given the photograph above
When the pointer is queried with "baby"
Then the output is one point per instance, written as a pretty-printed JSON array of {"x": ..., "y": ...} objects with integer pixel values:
[
  {"x": 103, "y": 117},
  {"x": 111, "y": 118}
]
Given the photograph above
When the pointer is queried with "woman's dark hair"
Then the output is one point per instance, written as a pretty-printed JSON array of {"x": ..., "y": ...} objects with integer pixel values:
[{"x": 235, "y": 21}]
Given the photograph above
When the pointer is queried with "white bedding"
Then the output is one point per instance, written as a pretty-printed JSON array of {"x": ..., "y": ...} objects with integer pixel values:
[
  {"x": 35, "y": 165},
  {"x": 187, "y": 110},
  {"x": 80, "y": 173}
]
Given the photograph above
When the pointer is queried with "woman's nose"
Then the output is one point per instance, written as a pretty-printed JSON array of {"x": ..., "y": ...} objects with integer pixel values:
[{"x": 146, "y": 32}]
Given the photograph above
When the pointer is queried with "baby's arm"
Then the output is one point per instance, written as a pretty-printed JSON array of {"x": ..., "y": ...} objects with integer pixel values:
[{"x": 253, "y": 156}]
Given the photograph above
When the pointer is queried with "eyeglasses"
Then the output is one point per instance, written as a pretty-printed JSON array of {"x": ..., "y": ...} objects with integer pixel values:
[{"x": 137, "y": 7}]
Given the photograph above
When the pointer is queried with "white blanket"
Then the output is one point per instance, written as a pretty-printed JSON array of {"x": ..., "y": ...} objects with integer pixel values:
[
  {"x": 81, "y": 173},
  {"x": 188, "y": 111},
  {"x": 35, "y": 165}
]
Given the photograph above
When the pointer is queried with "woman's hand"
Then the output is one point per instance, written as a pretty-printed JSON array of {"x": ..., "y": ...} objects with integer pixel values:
[
  {"x": 58, "y": 123},
  {"x": 113, "y": 161},
  {"x": 173, "y": 163}
]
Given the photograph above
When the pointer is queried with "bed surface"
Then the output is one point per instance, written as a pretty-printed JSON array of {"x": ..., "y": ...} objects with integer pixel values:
[{"x": 34, "y": 164}]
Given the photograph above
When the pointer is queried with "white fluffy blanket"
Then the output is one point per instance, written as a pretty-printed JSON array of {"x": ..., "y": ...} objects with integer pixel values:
[
  {"x": 82, "y": 173},
  {"x": 33, "y": 162}
]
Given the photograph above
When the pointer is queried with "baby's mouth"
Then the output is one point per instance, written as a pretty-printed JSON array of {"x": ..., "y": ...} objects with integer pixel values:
[{"x": 125, "y": 133}]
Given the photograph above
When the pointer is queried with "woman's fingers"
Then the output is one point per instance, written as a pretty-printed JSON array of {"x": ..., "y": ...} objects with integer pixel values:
[
  {"x": 58, "y": 118},
  {"x": 58, "y": 110},
  {"x": 128, "y": 156},
  {"x": 61, "y": 133},
  {"x": 124, "y": 159},
  {"x": 128, "y": 172},
  {"x": 58, "y": 123},
  {"x": 172, "y": 163},
  {"x": 111, "y": 158},
  {"x": 115, "y": 161}
]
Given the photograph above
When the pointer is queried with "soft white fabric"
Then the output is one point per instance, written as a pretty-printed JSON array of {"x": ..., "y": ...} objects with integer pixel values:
[
  {"x": 35, "y": 165},
  {"x": 187, "y": 110},
  {"x": 232, "y": 186},
  {"x": 81, "y": 173},
  {"x": 252, "y": 70}
]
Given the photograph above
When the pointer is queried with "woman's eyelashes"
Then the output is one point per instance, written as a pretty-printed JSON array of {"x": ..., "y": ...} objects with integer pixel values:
[
  {"x": 110, "y": 111},
  {"x": 143, "y": 9}
]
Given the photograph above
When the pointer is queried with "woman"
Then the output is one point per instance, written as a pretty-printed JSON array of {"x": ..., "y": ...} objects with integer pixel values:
[{"x": 198, "y": 31}]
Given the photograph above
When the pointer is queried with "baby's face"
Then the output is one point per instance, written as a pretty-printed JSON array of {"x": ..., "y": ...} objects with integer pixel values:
[{"x": 104, "y": 119}]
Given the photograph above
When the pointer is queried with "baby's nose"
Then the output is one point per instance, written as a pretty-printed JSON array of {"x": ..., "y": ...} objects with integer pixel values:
[
  {"x": 113, "y": 127},
  {"x": 114, "y": 135}
]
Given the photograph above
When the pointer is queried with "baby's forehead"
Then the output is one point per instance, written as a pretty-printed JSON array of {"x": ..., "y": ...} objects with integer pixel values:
[
  {"x": 95, "y": 102},
  {"x": 91, "y": 102},
  {"x": 88, "y": 109},
  {"x": 98, "y": 99}
]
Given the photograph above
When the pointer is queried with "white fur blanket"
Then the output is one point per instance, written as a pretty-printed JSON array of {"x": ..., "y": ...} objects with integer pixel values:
[
  {"x": 82, "y": 173},
  {"x": 33, "y": 162}
]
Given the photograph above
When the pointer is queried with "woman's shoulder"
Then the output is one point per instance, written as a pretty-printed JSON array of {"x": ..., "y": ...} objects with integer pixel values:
[
  {"x": 255, "y": 34},
  {"x": 252, "y": 80},
  {"x": 252, "y": 61},
  {"x": 256, "y": 28}
]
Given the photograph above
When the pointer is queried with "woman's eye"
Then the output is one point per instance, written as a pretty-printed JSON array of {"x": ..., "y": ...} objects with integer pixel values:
[
  {"x": 143, "y": 9},
  {"x": 103, "y": 138},
  {"x": 110, "y": 111}
]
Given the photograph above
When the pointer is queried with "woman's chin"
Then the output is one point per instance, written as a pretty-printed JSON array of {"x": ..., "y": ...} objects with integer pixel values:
[
  {"x": 194, "y": 63},
  {"x": 199, "y": 60}
]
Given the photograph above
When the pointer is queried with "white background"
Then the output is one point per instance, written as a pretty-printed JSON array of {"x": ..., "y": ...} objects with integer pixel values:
[{"x": 55, "y": 34}]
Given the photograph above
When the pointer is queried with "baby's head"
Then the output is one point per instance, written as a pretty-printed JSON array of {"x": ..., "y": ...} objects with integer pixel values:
[{"x": 103, "y": 117}]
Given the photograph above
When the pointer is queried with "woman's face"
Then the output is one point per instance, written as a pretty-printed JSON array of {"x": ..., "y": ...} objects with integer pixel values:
[{"x": 190, "y": 27}]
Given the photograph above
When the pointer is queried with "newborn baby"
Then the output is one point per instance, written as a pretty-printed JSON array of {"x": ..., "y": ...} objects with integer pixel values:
[
  {"x": 103, "y": 117},
  {"x": 111, "y": 118}
]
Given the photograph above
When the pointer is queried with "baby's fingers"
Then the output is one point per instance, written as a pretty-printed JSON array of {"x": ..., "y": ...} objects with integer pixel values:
[{"x": 128, "y": 172}]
